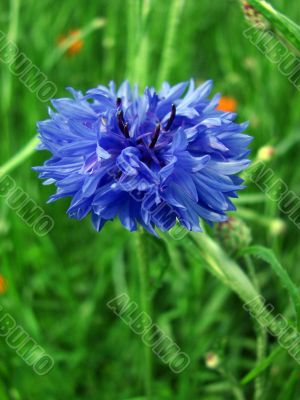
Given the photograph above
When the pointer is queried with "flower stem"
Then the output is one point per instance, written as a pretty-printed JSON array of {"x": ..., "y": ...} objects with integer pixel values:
[
  {"x": 21, "y": 156},
  {"x": 224, "y": 268},
  {"x": 145, "y": 307},
  {"x": 138, "y": 41},
  {"x": 167, "y": 54},
  {"x": 7, "y": 81},
  {"x": 261, "y": 338},
  {"x": 133, "y": 26}
]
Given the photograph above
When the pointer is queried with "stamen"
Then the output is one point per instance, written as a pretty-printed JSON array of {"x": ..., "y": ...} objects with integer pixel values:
[
  {"x": 124, "y": 127},
  {"x": 155, "y": 137},
  {"x": 126, "y": 130},
  {"x": 171, "y": 119},
  {"x": 119, "y": 102},
  {"x": 120, "y": 119}
]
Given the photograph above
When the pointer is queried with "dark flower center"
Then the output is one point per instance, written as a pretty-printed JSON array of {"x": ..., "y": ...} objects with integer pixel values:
[{"x": 124, "y": 126}]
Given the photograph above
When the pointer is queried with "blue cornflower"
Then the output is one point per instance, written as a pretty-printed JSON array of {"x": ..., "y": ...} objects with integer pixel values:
[{"x": 150, "y": 159}]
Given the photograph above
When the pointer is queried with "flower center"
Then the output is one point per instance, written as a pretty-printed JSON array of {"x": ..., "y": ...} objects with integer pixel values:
[{"x": 124, "y": 126}]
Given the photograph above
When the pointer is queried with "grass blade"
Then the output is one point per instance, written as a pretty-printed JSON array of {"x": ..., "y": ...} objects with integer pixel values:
[
  {"x": 269, "y": 257},
  {"x": 264, "y": 364}
]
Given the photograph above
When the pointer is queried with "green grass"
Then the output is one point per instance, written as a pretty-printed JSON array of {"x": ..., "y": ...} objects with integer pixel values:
[{"x": 58, "y": 285}]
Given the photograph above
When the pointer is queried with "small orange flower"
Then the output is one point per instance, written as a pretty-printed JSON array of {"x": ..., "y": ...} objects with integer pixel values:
[
  {"x": 227, "y": 104},
  {"x": 76, "y": 46},
  {"x": 3, "y": 285}
]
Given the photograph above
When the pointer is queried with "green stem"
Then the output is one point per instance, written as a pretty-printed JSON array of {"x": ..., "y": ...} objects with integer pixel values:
[
  {"x": 12, "y": 36},
  {"x": 261, "y": 338},
  {"x": 167, "y": 54},
  {"x": 141, "y": 57},
  {"x": 21, "y": 156},
  {"x": 251, "y": 271},
  {"x": 261, "y": 342},
  {"x": 145, "y": 307},
  {"x": 224, "y": 268},
  {"x": 133, "y": 37}
]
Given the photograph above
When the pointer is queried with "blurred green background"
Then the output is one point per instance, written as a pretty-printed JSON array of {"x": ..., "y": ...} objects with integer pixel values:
[{"x": 57, "y": 286}]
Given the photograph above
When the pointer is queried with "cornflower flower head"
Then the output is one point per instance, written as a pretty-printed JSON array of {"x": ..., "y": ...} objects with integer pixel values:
[{"x": 152, "y": 159}]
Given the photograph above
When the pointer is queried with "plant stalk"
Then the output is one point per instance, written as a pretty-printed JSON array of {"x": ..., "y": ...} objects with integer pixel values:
[
  {"x": 167, "y": 57},
  {"x": 145, "y": 307},
  {"x": 261, "y": 337},
  {"x": 20, "y": 157}
]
